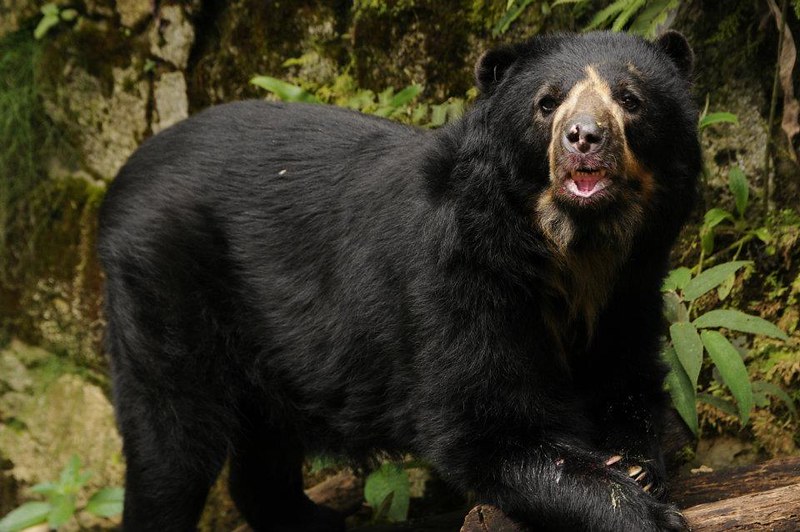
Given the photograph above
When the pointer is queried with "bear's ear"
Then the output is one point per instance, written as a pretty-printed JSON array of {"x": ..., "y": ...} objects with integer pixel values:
[
  {"x": 491, "y": 67},
  {"x": 676, "y": 46}
]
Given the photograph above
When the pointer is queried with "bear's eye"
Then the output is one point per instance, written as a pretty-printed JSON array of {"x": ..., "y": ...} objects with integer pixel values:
[
  {"x": 630, "y": 102},
  {"x": 548, "y": 104}
]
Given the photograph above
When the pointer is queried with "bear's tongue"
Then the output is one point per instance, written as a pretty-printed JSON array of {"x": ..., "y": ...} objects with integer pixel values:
[{"x": 585, "y": 183}]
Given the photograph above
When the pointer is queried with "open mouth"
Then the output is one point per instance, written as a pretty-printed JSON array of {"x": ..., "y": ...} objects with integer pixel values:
[{"x": 586, "y": 182}]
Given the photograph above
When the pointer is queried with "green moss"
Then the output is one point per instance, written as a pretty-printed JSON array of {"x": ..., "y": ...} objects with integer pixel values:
[
  {"x": 23, "y": 128},
  {"x": 52, "y": 293}
]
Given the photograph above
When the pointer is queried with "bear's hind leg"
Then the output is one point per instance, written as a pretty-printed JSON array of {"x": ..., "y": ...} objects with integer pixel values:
[
  {"x": 266, "y": 482},
  {"x": 172, "y": 460}
]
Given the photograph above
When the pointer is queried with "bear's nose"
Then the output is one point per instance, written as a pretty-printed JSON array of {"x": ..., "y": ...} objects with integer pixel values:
[{"x": 583, "y": 134}]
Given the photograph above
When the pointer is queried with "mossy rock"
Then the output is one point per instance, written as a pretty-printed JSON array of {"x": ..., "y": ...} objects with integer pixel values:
[{"x": 52, "y": 288}]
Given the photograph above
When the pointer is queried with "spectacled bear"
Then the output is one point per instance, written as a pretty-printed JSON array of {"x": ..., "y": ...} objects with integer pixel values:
[{"x": 287, "y": 279}]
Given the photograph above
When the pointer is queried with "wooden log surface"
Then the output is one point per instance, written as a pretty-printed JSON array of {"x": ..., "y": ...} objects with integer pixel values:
[
  {"x": 777, "y": 510},
  {"x": 757, "y": 497},
  {"x": 701, "y": 488}
]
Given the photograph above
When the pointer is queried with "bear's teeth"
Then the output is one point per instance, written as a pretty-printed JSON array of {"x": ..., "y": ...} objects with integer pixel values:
[{"x": 586, "y": 187}]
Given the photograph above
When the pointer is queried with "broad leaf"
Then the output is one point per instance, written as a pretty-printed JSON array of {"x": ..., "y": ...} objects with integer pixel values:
[
  {"x": 106, "y": 502},
  {"x": 724, "y": 289},
  {"x": 45, "y": 488},
  {"x": 731, "y": 368},
  {"x": 61, "y": 511},
  {"x": 715, "y": 216},
  {"x": 674, "y": 308},
  {"x": 405, "y": 95},
  {"x": 681, "y": 390},
  {"x": 718, "y": 402},
  {"x": 710, "y": 279},
  {"x": 717, "y": 118},
  {"x": 285, "y": 91},
  {"x": 688, "y": 347},
  {"x": 677, "y": 279},
  {"x": 390, "y": 480},
  {"x": 775, "y": 391},
  {"x": 737, "y": 182},
  {"x": 27, "y": 515},
  {"x": 739, "y": 321}
]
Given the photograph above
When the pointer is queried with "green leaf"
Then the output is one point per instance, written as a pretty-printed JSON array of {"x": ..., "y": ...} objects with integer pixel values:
[
  {"x": 707, "y": 240},
  {"x": 70, "y": 472},
  {"x": 405, "y": 96},
  {"x": 739, "y": 321},
  {"x": 681, "y": 390},
  {"x": 649, "y": 22},
  {"x": 62, "y": 510},
  {"x": 513, "y": 12},
  {"x": 674, "y": 308},
  {"x": 283, "y": 90},
  {"x": 737, "y": 183},
  {"x": 775, "y": 391},
  {"x": 27, "y": 515},
  {"x": 715, "y": 216},
  {"x": 438, "y": 115},
  {"x": 718, "y": 402},
  {"x": 724, "y": 290},
  {"x": 45, "y": 488},
  {"x": 390, "y": 480},
  {"x": 677, "y": 279},
  {"x": 561, "y": 2},
  {"x": 47, "y": 22},
  {"x": 763, "y": 234},
  {"x": 717, "y": 118},
  {"x": 106, "y": 502},
  {"x": 68, "y": 15},
  {"x": 50, "y": 9},
  {"x": 606, "y": 14},
  {"x": 689, "y": 349},
  {"x": 731, "y": 368},
  {"x": 711, "y": 278},
  {"x": 626, "y": 14},
  {"x": 320, "y": 463}
]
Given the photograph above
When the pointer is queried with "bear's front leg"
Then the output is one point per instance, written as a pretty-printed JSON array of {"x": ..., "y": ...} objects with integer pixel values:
[{"x": 551, "y": 482}]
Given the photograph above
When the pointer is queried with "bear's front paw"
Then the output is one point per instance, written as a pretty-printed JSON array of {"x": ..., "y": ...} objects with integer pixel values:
[{"x": 668, "y": 518}]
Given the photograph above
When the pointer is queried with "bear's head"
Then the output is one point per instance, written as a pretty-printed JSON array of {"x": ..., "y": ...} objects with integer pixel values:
[{"x": 602, "y": 126}]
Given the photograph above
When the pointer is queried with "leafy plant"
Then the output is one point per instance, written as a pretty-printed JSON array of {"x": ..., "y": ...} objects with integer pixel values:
[
  {"x": 52, "y": 15},
  {"x": 514, "y": 8},
  {"x": 388, "y": 492},
  {"x": 690, "y": 338},
  {"x": 401, "y": 105},
  {"x": 61, "y": 503},
  {"x": 718, "y": 220},
  {"x": 643, "y": 17}
]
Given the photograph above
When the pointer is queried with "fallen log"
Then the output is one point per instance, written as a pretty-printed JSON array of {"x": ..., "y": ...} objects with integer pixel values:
[
  {"x": 701, "y": 488},
  {"x": 758, "y": 497}
]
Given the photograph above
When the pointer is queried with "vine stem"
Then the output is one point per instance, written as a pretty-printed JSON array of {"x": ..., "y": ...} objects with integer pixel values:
[{"x": 769, "y": 183}]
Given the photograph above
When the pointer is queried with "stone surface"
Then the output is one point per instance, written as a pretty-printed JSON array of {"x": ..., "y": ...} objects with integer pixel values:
[
  {"x": 14, "y": 12},
  {"x": 172, "y": 36},
  {"x": 133, "y": 12},
  {"x": 171, "y": 100},
  {"x": 71, "y": 417},
  {"x": 107, "y": 128}
]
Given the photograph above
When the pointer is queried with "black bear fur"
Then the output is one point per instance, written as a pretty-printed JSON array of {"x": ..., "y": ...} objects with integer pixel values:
[{"x": 288, "y": 279}]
